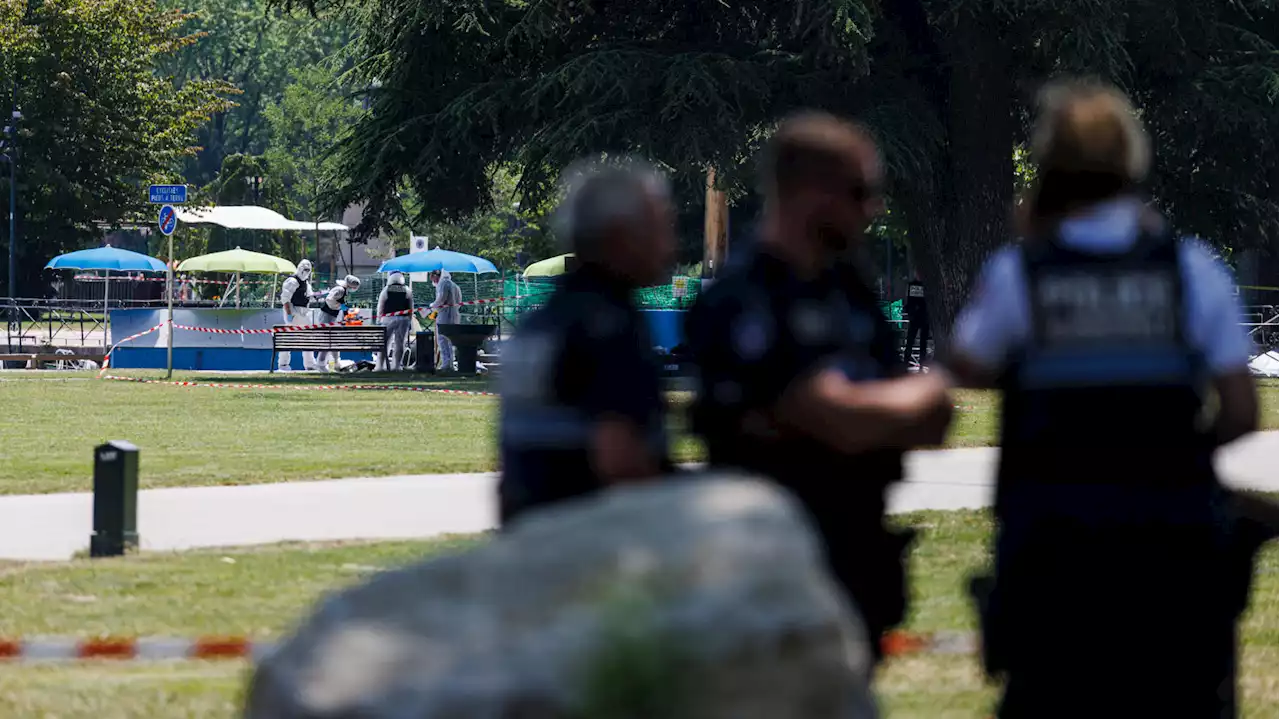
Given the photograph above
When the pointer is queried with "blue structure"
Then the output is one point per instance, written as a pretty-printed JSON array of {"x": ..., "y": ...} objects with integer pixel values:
[
  {"x": 666, "y": 327},
  {"x": 201, "y": 350}
]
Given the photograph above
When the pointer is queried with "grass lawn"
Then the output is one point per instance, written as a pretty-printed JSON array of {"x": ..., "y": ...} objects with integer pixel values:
[
  {"x": 203, "y": 436},
  {"x": 262, "y": 591}
]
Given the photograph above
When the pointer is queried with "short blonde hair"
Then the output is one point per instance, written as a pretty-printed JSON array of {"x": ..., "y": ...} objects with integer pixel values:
[{"x": 1089, "y": 128}]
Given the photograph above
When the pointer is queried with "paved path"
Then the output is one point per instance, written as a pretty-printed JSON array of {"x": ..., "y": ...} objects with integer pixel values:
[{"x": 55, "y": 526}]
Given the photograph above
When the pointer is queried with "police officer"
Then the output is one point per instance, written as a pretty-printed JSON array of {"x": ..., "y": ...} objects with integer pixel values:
[
  {"x": 582, "y": 404},
  {"x": 799, "y": 373},
  {"x": 331, "y": 311},
  {"x": 917, "y": 319},
  {"x": 396, "y": 297},
  {"x": 295, "y": 295},
  {"x": 1119, "y": 573}
]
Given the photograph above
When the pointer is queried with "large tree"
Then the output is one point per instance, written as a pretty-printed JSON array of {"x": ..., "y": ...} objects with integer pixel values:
[
  {"x": 256, "y": 50},
  {"x": 468, "y": 87},
  {"x": 99, "y": 123}
]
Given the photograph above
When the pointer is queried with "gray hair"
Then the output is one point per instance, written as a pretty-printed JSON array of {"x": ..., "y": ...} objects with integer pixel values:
[{"x": 598, "y": 197}]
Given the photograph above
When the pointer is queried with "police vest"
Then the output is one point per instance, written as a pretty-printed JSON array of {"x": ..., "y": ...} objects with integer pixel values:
[
  {"x": 299, "y": 299},
  {"x": 324, "y": 304},
  {"x": 397, "y": 299},
  {"x": 1106, "y": 390}
]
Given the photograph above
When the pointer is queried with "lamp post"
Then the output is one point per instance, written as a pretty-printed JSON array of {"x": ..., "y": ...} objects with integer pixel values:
[
  {"x": 255, "y": 183},
  {"x": 9, "y": 151}
]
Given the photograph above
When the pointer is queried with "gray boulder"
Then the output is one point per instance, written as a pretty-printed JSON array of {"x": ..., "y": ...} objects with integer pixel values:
[{"x": 702, "y": 597}]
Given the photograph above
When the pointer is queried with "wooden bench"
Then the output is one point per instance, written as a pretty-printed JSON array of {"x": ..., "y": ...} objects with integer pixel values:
[{"x": 354, "y": 338}]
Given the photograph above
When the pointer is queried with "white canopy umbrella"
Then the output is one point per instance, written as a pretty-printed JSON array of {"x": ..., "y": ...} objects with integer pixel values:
[{"x": 251, "y": 217}]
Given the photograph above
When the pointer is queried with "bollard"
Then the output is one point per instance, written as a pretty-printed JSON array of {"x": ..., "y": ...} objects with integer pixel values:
[{"x": 115, "y": 499}]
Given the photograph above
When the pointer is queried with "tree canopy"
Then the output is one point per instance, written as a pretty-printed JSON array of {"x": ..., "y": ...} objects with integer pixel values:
[
  {"x": 255, "y": 50},
  {"x": 466, "y": 89},
  {"x": 99, "y": 123}
]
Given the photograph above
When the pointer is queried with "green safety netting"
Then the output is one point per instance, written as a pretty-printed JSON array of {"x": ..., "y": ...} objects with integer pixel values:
[{"x": 517, "y": 294}]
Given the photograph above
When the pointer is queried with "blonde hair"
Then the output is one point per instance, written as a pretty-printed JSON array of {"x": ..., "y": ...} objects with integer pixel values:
[{"x": 1088, "y": 146}]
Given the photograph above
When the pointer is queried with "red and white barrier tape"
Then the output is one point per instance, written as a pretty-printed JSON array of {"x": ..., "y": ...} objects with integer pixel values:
[
  {"x": 106, "y": 360},
  {"x": 55, "y": 649},
  {"x": 69, "y": 649},
  {"x": 126, "y": 278},
  {"x": 231, "y": 385}
]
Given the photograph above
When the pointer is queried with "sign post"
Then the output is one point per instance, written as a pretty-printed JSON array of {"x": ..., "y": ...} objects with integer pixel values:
[{"x": 168, "y": 196}]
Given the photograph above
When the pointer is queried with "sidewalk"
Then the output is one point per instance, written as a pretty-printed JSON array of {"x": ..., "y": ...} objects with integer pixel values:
[{"x": 55, "y": 526}]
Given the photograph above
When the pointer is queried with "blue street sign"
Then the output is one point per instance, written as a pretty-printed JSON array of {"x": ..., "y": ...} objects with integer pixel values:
[
  {"x": 168, "y": 219},
  {"x": 167, "y": 194}
]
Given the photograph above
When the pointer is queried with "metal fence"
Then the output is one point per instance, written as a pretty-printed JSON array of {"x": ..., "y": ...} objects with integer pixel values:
[{"x": 73, "y": 313}]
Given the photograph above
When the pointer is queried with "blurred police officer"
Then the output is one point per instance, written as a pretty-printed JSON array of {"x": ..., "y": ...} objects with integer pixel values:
[
  {"x": 1119, "y": 571},
  {"x": 582, "y": 404},
  {"x": 800, "y": 377}
]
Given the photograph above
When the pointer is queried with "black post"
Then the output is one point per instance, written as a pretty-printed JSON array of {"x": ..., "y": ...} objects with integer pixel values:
[
  {"x": 115, "y": 499},
  {"x": 13, "y": 197}
]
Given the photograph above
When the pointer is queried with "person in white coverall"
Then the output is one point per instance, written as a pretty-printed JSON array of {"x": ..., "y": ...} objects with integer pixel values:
[
  {"x": 395, "y": 297},
  {"x": 330, "y": 312},
  {"x": 295, "y": 295},
  {"x": 448, "y": 297}
]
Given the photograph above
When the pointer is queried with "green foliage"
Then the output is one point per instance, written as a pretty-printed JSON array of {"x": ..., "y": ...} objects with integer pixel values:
[
  {"x": 99, "y": 122},
  {"x": 314, "y": 113},
  {"x": 257, "y": 51},
  {"x": 637, "y": 669},
  {"x": 497, "y": 233},
  {"x": 467, "y": 88}
]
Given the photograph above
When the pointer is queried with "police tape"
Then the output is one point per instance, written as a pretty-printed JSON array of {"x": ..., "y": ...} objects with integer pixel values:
[
  {"x": 71, "y": 649},
  {"x": 302, "y": 387},
  {"x": 64, "y": 649},
  {"x": 300, "y": 328},
  {"x": 96, "y": 278},
  {"x": 106, "y": 359}
]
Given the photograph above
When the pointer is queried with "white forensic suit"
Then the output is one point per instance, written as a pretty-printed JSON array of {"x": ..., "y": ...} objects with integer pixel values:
[
  {"x": 448, "y": 297},
  {"x": 295, "y": 295},
  {"x": 330, "y": 312},
  {"x": 395, "y": 297}
]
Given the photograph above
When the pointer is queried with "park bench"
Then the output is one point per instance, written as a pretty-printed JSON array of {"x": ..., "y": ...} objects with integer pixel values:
[{"x": 350, "y": 338}]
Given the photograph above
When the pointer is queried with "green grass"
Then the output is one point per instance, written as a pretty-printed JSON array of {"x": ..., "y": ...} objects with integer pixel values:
[
  {"x": 262, "y": 592},
  {"x": 192, "y": 436}
]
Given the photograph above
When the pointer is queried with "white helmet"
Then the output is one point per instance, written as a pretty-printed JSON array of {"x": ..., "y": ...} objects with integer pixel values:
[
  {"x": 304, "y": 269},
  {"x": 396, "y": 277},
  {"x": 352, "y": 282}
]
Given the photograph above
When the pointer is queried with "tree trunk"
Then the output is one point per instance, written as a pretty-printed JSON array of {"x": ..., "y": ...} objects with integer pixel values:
[
  {"x": 958, "y": 217},
  {"x": 715, "y": 227}
]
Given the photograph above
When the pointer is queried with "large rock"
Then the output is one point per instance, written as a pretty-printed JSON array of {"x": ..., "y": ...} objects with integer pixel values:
[{"x": 701, "y": 597}]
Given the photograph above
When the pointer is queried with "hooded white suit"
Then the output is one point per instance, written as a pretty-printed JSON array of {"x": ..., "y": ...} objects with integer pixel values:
[{"x": 448, "y": 297}]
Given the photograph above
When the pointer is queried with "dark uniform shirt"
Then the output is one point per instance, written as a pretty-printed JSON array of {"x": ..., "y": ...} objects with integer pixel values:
[
  {"x": 917, "y": 306},
  {"x": 756, "y": 331},
  {"x": 584, "y": 355}
]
